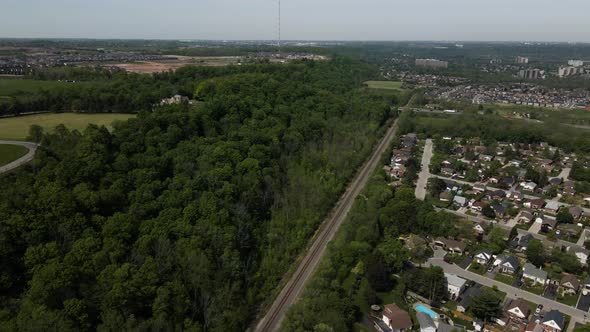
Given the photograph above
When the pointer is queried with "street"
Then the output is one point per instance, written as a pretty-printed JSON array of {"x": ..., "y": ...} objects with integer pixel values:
[
  {"x": 425, "y": 172},
  {"x": 513, "y": 292},
  {"x": 24, "y": 159}
]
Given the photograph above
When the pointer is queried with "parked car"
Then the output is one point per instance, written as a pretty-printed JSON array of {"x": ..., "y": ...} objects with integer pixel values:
[{"x": 491, "y": 269}]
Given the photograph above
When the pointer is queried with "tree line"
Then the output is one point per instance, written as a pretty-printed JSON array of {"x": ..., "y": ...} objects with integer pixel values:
[{"x": 183, "y": 218}]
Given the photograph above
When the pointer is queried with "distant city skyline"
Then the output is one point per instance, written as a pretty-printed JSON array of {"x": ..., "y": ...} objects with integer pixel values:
[{"x": 370, "y": 20}]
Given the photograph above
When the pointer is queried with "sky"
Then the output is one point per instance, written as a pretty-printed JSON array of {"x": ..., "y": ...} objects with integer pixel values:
[{"x": 388, "y": 20}]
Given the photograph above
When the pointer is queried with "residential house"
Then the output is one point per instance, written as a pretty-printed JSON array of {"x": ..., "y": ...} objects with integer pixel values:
[
  {"x": 478, "y": 206},
  {"x": 524, "y": 240},
  {"x": 396, "y": 319},
  {"x": 552, "y": 207},
  {"x": 460, "y": 201},
  {"x": 486, "y": 157},
  {"x": 530, "y": 186},
  {"x": 548, "y": 224},
  {"x": 576, "y": 212},
  {"x": 554, "y": 321},
  {"x": 531, "y": 272},
  {"x": 546, "y": 190},
  {"x": 443, "y": 327},
  {"x": 499, "y": 209},
  {"x": 495, "y": 194},
  {"x": 555, "y": 181},
  {"x": 426, "y": 322},
  {"x": 467, "y": 296},
  {"x": 455, "y": 285},
  {"x": 569, "y": 284},
  {"x": 569, "y": 188},
  {"x": 479, "y": 228},
  {"x": 515, "y": 196},
  {"x": 445, "y": 196},
  {"x": 480, "y": 187},
  {"x": 413, "y": 242},
  {"x": 483, "y": 257},
  {"x": 518, "y": 309},
  {"x": 456, "y": 247},
  {"x": 534, "y": 203},
  {"x": 525, "y": 217},
  {"x": 509, "y": 265},
  {"x": 580, "y": 252},
  {"x": 448, "y": 171},
  {"x": 534, "y": 327}
]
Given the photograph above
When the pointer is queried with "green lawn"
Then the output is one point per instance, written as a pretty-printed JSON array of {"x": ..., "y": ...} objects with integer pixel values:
[
  {"x": 16, "y": 87},
  {"x": 385, "y": 85},
  {"x": 17, "y": 128},
  {"x": 507, "y": 279},
  {"x": 500, "y": 294},
  {"x": 477, "y": 268},
  {"x": 570, "y": 300},
  {"x": 536, "y": 289},
  {"x": 10, "y": 153}
]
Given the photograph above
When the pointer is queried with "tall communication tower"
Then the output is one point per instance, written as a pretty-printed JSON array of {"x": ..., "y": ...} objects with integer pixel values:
[{"x": 279, "y": 27}]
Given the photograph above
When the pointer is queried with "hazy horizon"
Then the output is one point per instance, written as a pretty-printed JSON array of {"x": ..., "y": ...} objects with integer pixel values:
[{"x": 319, "y": 20}]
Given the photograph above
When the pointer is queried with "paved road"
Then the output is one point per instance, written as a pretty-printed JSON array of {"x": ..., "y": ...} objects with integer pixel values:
[
  {"x": 508, "y": 228},
  {"x": 493, "y": 188},
  {"x": 290, "y": 293},
  {"x": 513, "y": 292},
  {"x": 21, "y": 161},
  {"x": 425, "y": 172}
]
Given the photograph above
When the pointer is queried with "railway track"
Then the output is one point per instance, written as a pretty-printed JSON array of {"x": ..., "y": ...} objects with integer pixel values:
[{"x": 290, "y": 293}]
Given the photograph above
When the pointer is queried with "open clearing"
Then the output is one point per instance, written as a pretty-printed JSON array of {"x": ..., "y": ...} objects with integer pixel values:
[
  {"x": 15, "y": 86},
  {"x": 386, "y": 85},
  {"x": 17, "y": 128},
  {"x": 9, "y": 153},
  {"x": 148, "y": 67}
]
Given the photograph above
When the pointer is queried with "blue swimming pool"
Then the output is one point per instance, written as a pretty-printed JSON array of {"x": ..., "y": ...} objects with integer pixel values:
[{"x": 421, "y": 307}]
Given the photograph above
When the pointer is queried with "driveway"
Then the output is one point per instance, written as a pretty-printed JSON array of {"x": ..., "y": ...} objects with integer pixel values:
[
  {"x": 535, "y": 228},
  {"x": 24, "y": 159},
  {"x": 565, "y": 173},
  {"x": 425, "y": 172}
]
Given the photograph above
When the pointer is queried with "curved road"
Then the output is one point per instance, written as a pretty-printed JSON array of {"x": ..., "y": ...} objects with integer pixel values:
[
  {"x": 291, "y": 291},
  {"x": 20, "y": 161}
]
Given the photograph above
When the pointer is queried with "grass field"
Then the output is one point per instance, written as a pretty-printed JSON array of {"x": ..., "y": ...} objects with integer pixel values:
[
  {"x": 384, "y": 85},
  {"x": 17, "y": 128},
  {"x": 10, "y": 153},
  {"x": 16, "y": 87}
]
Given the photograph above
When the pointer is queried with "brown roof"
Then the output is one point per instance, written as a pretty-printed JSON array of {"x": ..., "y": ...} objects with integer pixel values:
[
  {"x": 521, "y": 304},
  {"x": 399, "y": 319},
  {"x": 571, "y": 279},
  {"x": 449, "y": 243}
]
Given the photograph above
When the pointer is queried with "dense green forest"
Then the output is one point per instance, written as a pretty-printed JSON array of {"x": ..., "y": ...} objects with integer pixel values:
[
  {"x": 365, "y": 253},
  {"x": 183, "y": 218}
]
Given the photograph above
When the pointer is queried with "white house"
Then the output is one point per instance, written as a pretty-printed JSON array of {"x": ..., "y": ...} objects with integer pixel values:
[
  {"x": 529, "y": 186},
  {"x": 483, "y": 257},
  {"x": 426, "y": 322},
  {"x": 460, "y": 201},
  {"x": 455, "y": 285},
  {"x": 553, "y": 321},
  {"x": 580, "y": 252},
  {"x": 518, "y": 309},
  {"x": 531, "y": 272}
]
